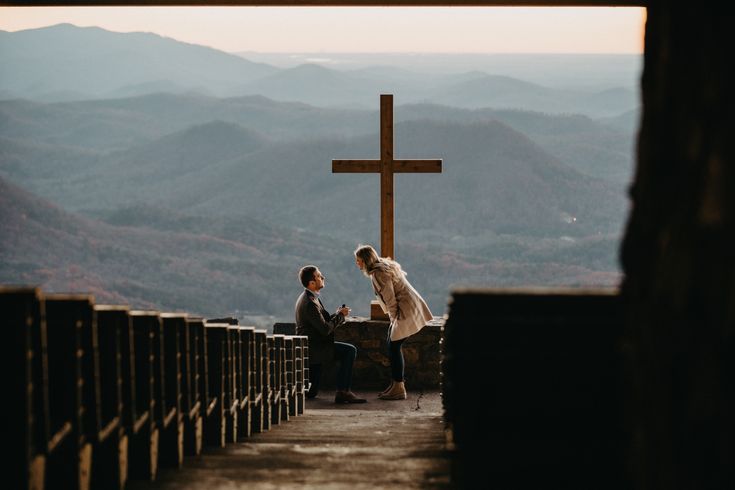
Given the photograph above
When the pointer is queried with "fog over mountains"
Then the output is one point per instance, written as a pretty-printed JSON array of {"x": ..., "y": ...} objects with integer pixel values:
[
  {"x": 64, "y": 62},
  {"x": 174, "y": 176}
]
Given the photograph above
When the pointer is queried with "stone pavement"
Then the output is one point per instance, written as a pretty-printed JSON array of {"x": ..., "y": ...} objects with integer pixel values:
[{"x": 380, "y": 444}]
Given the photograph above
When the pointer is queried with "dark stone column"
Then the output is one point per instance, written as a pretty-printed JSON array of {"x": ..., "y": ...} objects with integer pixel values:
[{"x": 679, "y": 254}]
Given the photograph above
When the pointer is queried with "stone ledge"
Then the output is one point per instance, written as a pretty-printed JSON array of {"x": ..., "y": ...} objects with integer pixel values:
[{"x": 371, "y": 370}]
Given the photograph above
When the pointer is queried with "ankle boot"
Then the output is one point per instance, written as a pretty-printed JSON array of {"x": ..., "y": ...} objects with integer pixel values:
[
  {"x": 396, "y": 392},
  {"x": 387, "y": 389}
]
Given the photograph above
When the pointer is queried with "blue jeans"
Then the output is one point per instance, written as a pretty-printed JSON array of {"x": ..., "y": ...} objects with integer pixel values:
[
  {"x": 395, "y": 355},
  {"x": 345, "y": 354}
]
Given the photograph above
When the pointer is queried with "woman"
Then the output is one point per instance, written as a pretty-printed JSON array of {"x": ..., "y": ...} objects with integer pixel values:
[{"x": 407, "y": 310}]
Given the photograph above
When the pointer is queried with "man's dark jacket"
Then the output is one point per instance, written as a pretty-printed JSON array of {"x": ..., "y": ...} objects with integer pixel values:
[{"x": 315, "y": 322}]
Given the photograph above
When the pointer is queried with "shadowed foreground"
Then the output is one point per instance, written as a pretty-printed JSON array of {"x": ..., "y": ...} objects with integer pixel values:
[{"x": 375, "y": 445}]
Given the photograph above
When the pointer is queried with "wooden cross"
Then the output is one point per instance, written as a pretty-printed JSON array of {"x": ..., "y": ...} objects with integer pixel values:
[{"x": 386, "y": 167}]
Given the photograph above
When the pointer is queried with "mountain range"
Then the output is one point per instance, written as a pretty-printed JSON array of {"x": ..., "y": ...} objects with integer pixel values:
[
  {"x": 591, "y": 147},
  {"x": 220, "y": 167},
  {"x": 65, "y": 63}
]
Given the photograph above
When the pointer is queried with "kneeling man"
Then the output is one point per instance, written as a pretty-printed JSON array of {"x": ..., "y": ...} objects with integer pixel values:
[{"x": 313, "y": 320}]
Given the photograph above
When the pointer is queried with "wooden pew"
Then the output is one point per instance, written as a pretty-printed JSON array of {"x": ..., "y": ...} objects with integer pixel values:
[
  {"x": 305, "y": 365},
  {"x": 290, "y": 348},
  {"x": 301, "y": 366},
  {"x": 232, "y": 402},
  {"x": 135, "y": 419},
  {"x": 216, "y": 426},
  {"x": 109, "y": 458},
  {"x": 243, "y": 354},
  {"x": 143, "y": 448},
  {"x": 24, "y": 324},
  {"x": 207, "y": 403},
  {"x": 191, "y": 401},
  {"x": 230, "y": 394},
  {"x": 300, "y": 346},
  {"x": 165, "y": 414},
  {"x": 276, "y": 375},
  {"x": 261, "y": 420},
  {"x": 549, "y": 364},
  {"x": 68, "y": 319},
  {"x": 255, "y": 396},
  {"x": 172, "y": 432},
  {"x": 197, "y": 385}
]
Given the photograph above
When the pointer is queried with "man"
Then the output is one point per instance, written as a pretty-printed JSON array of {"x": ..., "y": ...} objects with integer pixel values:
[{"x": 315, "y": 322}]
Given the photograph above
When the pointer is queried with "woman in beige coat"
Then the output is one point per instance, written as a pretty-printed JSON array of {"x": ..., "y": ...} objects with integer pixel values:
[{"x": 407, "y": 310}]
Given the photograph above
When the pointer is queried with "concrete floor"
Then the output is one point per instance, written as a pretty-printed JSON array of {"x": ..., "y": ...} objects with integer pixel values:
[{"x": 380, "y": 444}]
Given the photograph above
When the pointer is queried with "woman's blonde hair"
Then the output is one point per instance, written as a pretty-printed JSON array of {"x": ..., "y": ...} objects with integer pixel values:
[{"x": 372, "y": 260}]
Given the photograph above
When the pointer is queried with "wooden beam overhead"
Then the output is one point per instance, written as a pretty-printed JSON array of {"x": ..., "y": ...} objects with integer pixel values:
[{"x": 327, "y": 3}]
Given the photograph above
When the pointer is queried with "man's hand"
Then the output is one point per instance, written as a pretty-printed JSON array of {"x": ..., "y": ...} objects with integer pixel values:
[{"x": 344, "y": 310}]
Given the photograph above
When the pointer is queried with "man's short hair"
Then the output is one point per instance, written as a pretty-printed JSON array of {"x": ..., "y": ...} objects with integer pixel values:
[{"x": 306, "y": 274}]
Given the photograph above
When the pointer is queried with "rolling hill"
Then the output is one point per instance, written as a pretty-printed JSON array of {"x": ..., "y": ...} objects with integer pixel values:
[
  {"x": 66, "y": 62},
  {"x": 495, "y": 178},
  {"x": 153, "y": 259},
  {"x": 592, "y": 148},
  {"x": 215, "y": 266}
]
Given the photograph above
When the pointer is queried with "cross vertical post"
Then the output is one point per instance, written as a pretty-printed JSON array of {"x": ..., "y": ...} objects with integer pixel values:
[{"x": 386, "y": 176}]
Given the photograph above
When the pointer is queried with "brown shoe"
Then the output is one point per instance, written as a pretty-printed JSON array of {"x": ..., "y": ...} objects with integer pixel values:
[
  {"x": 390, "y": 386},
  {"x": 396, "y": 392},
  {"x": 347, "y": 397}
]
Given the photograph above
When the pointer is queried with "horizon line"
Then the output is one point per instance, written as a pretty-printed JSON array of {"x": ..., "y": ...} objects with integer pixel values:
[{"x": 416, "y": 53}]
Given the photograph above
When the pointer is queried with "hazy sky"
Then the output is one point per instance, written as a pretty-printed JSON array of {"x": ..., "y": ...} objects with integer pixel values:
[{"x": 358, "y": 29}]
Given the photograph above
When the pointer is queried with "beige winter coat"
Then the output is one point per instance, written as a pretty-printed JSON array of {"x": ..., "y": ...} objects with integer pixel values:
[{"x": 406, "y": 308}]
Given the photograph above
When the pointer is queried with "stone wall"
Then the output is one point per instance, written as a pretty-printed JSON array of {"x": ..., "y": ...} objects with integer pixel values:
[
  {"x": 679, "y": 254},
  {"x": 372, "y": 367}
]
